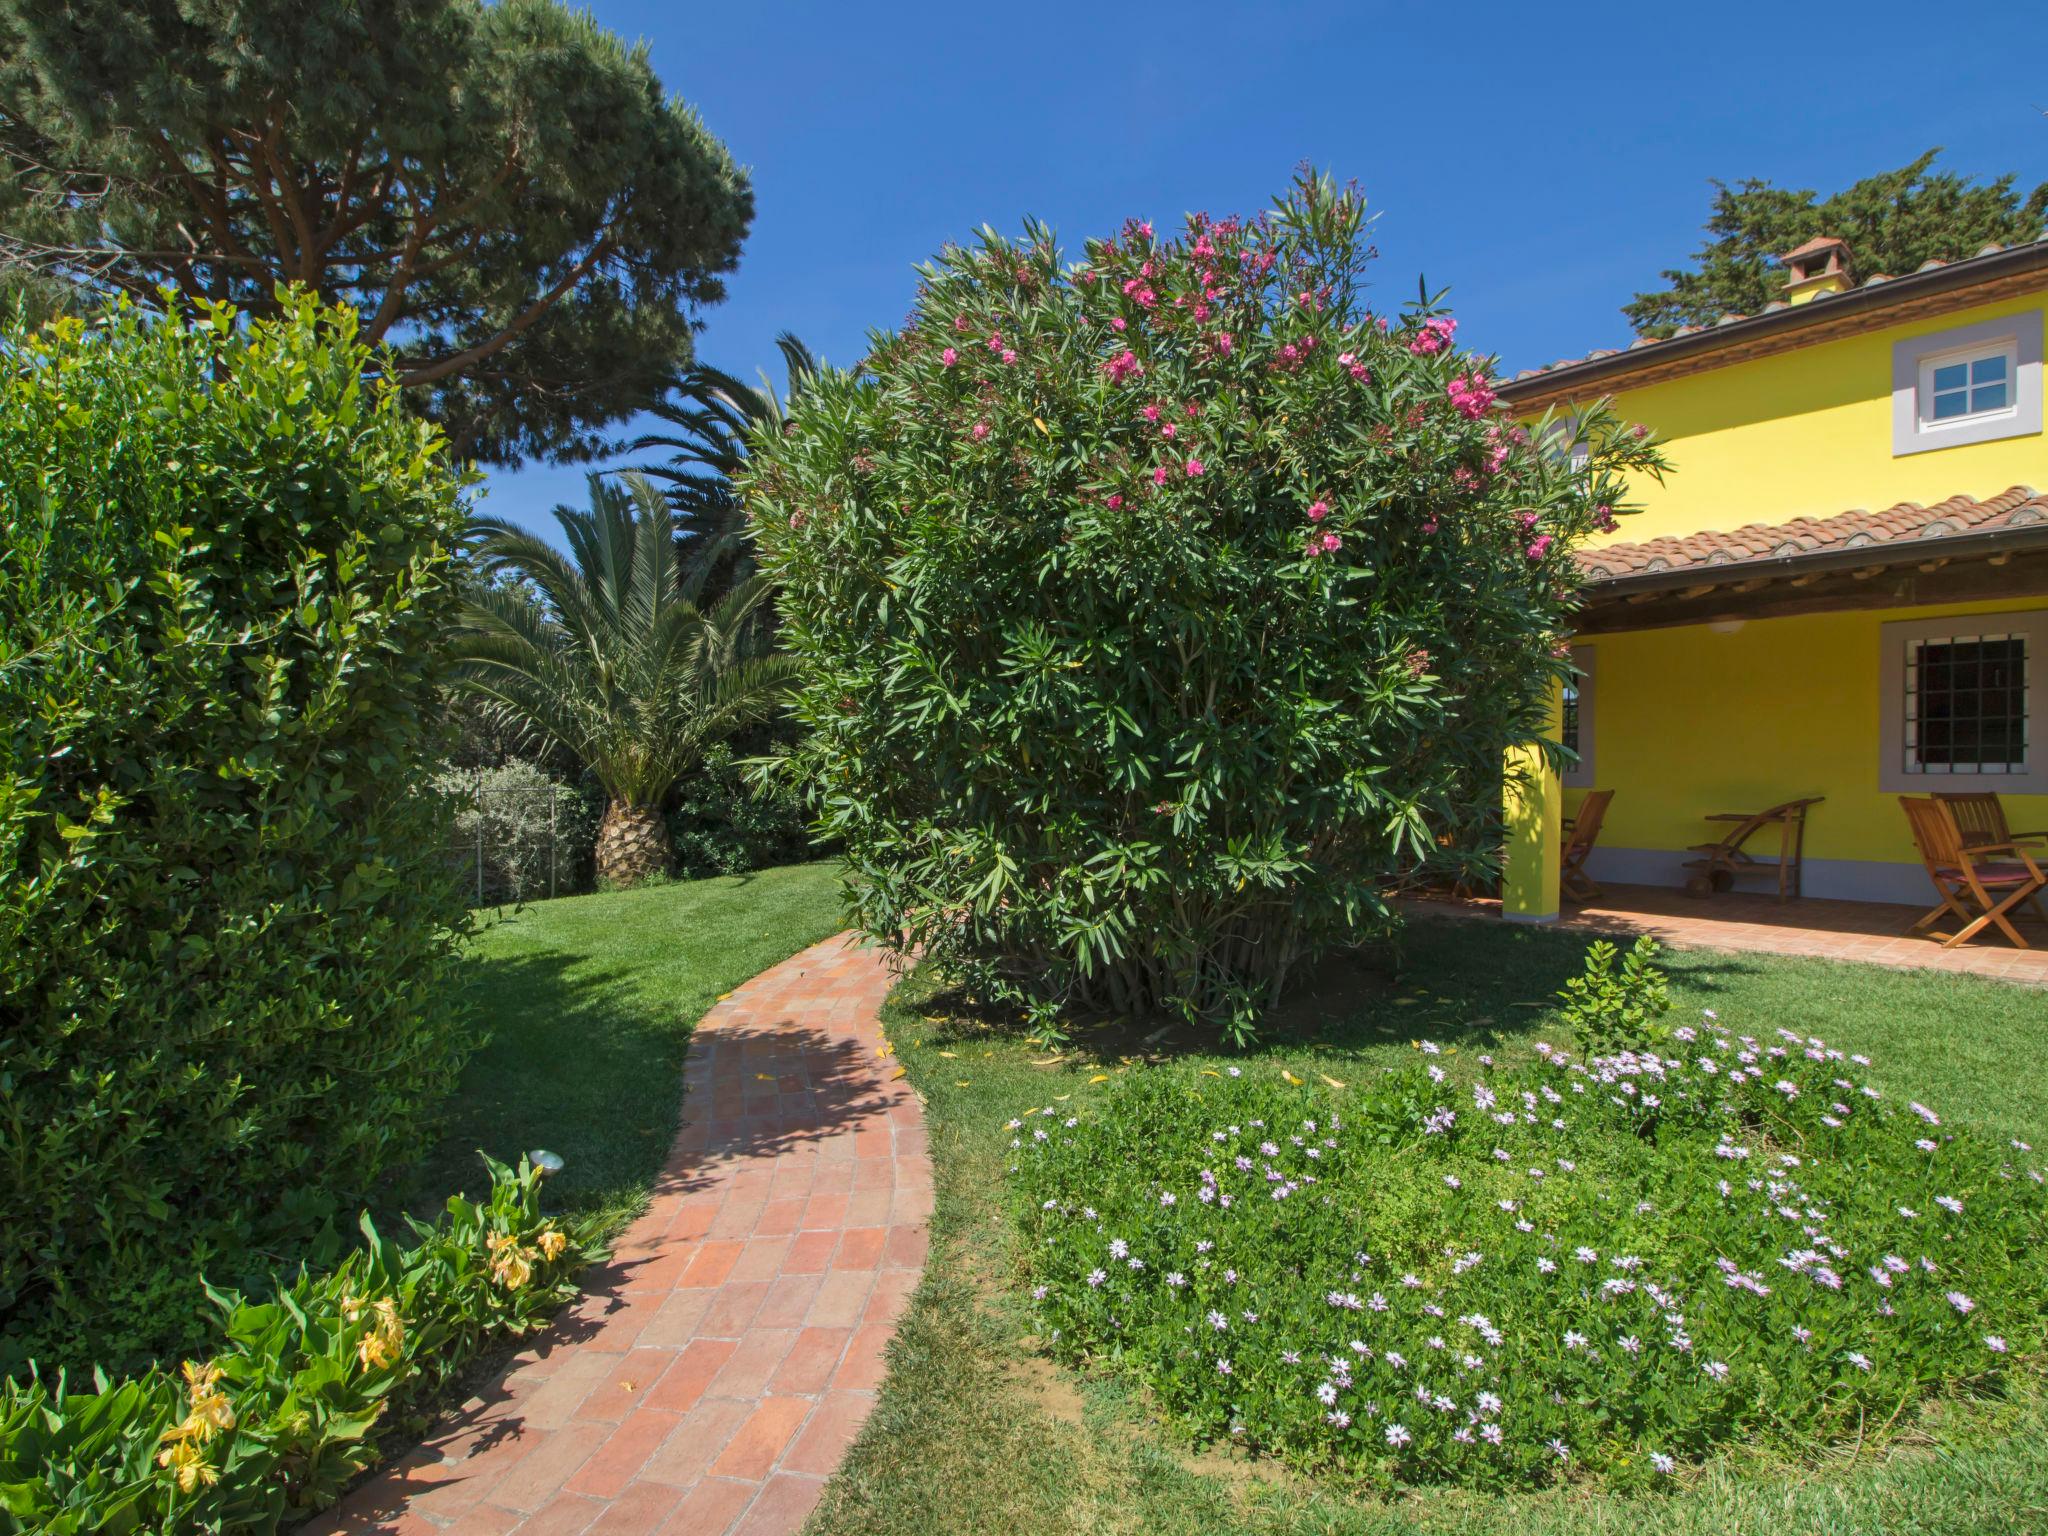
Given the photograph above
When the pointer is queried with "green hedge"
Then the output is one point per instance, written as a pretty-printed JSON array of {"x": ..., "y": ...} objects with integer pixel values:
[
  {"x": 284, "y": 1412},
  {"x": 225, "y": 931}
]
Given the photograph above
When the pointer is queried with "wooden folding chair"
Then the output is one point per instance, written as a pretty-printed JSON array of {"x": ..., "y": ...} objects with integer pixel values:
[
  {"x": 1981, "y": 819},
  {"x": 1720, "y": 864},
  {"x": 1963, "y": 871},
  {"x": 1581, "y": 833}
]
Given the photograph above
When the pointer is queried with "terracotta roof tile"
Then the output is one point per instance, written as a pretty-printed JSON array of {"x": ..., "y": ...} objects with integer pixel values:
[{"x": 2018, "y": 507}]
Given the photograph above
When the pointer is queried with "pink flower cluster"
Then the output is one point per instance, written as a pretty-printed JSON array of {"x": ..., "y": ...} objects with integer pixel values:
[
  {"x": 1124, "y": 365},
  {"x": 1470, "y": 393},
  {"x": 1434, "y": 336}
]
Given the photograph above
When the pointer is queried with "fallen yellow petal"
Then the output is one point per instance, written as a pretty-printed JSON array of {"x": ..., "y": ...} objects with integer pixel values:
[
  {"x": 1206, "y": 1072},
  {"x": 947, "y": 1054},
  {"x": 1329, "y": 1079},
  {"x": 897, "y": 1073},
  {"x": 1290, "y": 1077},
  {"x": 1062, "y": 1098},
  {"x": 723, "y": 996},
  {"x": 1100, "y": 1077},
  {"x": 962, "y": 1083}
]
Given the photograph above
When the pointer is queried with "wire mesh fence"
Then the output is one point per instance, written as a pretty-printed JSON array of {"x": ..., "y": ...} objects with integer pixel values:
[{"x": 517, "y": 835}]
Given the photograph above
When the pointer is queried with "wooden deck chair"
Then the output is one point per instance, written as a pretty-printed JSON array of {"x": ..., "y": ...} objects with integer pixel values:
[
  {"x": 1981, "y": 819},
  {"x": 1581, "y": 833},
  {"x": 1721, "y": 863},
  {"x": 1967, "y": 875}
]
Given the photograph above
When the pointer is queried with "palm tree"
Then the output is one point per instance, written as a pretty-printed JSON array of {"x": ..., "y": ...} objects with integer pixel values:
[
  {"x": 606, "y": 653},
  {"x": 708, "y": 415}
]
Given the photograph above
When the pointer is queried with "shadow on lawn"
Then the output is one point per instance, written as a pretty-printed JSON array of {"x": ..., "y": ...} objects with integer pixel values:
[{"x": 1456, "y": 982}]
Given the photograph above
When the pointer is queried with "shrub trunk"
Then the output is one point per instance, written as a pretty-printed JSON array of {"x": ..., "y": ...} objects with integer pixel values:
[{"x": 632, "y": 844}]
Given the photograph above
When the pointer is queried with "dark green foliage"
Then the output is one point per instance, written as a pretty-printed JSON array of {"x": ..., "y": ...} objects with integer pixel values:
[
  {"x": 504, "y": 190},
  {"x": 1609, "y": 1013},
  {"x": 284, "y": 1406},
  {"x": 724, "y": 825},
  {"x": 706, "y": 416},
  {"x": 1159, "y": 617},
  {"x": 225, "y": 935},
  {"x": 1893, "y": 222}
]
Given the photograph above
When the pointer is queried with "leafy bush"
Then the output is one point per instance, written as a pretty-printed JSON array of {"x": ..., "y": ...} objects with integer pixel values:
[
  {"x": 723, "y": 825},
  {"x": 277, "y": 1420},
  {"x": 519, "y": 833},
  {"x": 1455, "y": 1273},
  {"x": 1158, "y": 613},
  {"x": 226, "y": 937},
  {"x": 1608, "y": 1014}
]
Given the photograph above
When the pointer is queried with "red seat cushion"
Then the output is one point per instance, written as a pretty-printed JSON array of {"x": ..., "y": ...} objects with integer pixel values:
[{"x": 1994, "y": 874}]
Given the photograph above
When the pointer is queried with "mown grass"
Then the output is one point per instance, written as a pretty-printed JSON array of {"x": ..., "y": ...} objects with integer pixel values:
[
  {"x": 589, "y": 1002},
  {"x": 977, "y": 1432}
]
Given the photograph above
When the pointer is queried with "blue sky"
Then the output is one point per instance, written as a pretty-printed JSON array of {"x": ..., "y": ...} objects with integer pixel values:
[{"x": 1544, "y": 162}]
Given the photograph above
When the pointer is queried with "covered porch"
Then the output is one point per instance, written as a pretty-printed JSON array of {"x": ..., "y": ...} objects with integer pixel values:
[{"x": 1852, "y": 662}]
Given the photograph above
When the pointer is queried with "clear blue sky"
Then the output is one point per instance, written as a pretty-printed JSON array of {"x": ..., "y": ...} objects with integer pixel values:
[{"x": 1543, "y": 161}]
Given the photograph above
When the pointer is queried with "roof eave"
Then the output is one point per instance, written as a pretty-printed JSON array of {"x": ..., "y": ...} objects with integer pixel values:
[
  {"x": 1952, "y": 546},
  {"x": 1876, "y": 297}
]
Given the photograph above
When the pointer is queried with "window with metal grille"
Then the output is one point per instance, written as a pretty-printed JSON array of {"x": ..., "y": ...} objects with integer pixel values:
[{"x": 1966, "y": 705}]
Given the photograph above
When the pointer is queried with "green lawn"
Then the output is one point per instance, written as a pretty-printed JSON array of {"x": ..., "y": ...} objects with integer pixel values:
[
  {"x": 589, "y": 1002},
  {"x": 977, "y": 1432}
]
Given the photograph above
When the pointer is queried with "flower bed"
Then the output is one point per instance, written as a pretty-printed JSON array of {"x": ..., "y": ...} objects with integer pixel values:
[
  {"x": 288, "y": 1409},
  {"x": 1460, "y": 1273}
]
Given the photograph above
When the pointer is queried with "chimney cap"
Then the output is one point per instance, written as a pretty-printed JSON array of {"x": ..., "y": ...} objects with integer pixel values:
[{"x": 1816, "y": 246}]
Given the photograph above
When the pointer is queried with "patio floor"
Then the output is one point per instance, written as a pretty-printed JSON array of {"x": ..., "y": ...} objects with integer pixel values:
[{"x": 1874, "y": 933}]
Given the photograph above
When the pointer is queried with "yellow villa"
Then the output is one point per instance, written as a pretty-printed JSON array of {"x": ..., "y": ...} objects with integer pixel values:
[{"x": 1840, "y": 593}]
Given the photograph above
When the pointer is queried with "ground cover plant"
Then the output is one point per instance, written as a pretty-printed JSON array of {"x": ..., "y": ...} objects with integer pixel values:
[
  {"x": 1160, "y": 612},
  {"x": 976, "y": 1428},
  {"x": 226, "y": 937},
  {"x": 286, "y": 1403}
]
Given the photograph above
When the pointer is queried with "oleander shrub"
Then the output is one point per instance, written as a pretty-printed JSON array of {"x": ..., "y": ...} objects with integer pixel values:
[
  {"x": 287, "y": 1400},
  {"x": 226, "y": 934},
  {"x": 1614, "y": 1268},
  {"x": 1158, "y": 613}
]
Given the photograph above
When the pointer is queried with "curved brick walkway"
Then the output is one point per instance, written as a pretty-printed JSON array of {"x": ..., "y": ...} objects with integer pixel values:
[{"x": 714, "y": 1372}]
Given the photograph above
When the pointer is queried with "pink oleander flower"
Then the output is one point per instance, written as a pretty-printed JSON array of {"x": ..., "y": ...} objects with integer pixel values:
[
  {"x": 1318, "y": 510},
  {"x": 1603, "y": 519},
  {"x": 1194, "y": 468},
  {"x": 1124, "y": 365},
  {"x": 1539, "y": 546},
  {"x": 1114, "y": 500},
  {"x": 960, "y": 323},
  {"x": 980, "y": 430},
  {"x": 1434, "y": 336},
  {"x": 1429, "y": 526},
  {"x": 1331, "y": 543},
  {"x": 1159, "y": 475},
  {"x": 1470, "y": 394},
  {"x": 1360, "y": 372},
  {"x": 1168, "y": 430},
  {"x": 1225, "y": 343},
  {"x": 1009, "y": 356},
  {"x": 1116, "y": 322},
  {"x": 1150, "y": 413},
  {"x": 948, "y": 358}
]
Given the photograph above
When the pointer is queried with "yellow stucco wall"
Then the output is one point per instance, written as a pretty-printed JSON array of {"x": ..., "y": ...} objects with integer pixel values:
[
  {"x": 1735, "y": 717},
  {"x": 1809, "y": 434}
]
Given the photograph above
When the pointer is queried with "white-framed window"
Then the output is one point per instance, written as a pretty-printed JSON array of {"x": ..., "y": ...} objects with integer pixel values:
[
  {"x": 1962, "y": 704},
  {"x": 1577, "y": 734},
  {"x": 1979, "y": 381},
  {"x": 1968, "y": 384}
]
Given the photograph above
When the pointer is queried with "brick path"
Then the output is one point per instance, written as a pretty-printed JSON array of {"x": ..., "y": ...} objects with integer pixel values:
[
  {"x": 1874, "y": 933},
  {"x": 713, "y": 1374}
]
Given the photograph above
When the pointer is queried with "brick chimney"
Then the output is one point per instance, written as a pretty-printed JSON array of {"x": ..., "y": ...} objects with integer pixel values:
[{"x": 1817, "y": 267}]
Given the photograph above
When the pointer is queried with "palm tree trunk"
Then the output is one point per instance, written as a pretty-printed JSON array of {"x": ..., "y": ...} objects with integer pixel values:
[{"x": 632, "y": 844}]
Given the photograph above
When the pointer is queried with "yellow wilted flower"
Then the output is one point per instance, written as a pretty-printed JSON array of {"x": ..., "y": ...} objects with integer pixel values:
[
  {"x": 188, "y": 1462},
  {"x": 211, "y": 1411},
  {"x": 385, "y": 1341},
  {"x": 511, "y": 1265},
  {"x": 551, "y": 1243}
]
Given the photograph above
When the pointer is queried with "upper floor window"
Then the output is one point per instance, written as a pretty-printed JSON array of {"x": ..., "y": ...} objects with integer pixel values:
[
  {"x": 1979, "y": 385},
  {"x": 1969, "y": 384}
]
